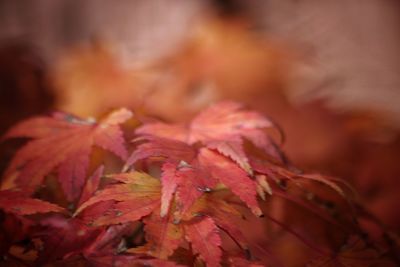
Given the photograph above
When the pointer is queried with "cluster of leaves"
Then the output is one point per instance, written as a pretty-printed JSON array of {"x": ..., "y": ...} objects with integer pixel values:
[{"x": 176, "y": 200}]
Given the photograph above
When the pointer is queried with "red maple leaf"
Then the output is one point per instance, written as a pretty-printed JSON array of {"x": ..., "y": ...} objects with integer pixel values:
[
  {"x": 225, "y": 121},
  {"x": 232, "y": 176},
  {"x": 92, "y": 184},
  {"x": 162, "y": 234},
  {"x": 136, "y": 195},
  {"x": 64, "y": 142},
  {"x": 187, "y": 182},
  {"x": 205, "y": 239},
  {"x": 19, "y": 203}
]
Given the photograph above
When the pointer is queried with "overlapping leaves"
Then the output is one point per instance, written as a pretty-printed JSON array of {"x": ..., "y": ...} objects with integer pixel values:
[
  {"x": 200, "y": 174},
  {"x": 207, "y": 152}
]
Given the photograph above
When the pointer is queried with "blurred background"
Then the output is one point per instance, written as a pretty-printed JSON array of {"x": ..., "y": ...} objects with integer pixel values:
[{"x": 326, "y": 71}]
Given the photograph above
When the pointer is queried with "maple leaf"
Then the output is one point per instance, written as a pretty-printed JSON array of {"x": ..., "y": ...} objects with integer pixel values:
[
  {"x": 161, "y": 147},
  {"x": 234, "y": 150},
  {"x": 221, "y": 127},
  {"x": 222, "y": 121},
  {"x": 205, "y": 239},
  {"x": 92, "y": 184},
  {"x": 168, "y": 131},
  {"x": 225, "y": 215},
  {"x": 20, "y": 204},
  {"x": 64, "y": 142},
  {"x": 193, "y": 182},
  {"x": 163, "y": 235},
  {"x": 169, "y": 181},
  {"x": 137, "y": 195},
  {"x": 189, "y": 182},
  {"x": 232, "y": 176}
]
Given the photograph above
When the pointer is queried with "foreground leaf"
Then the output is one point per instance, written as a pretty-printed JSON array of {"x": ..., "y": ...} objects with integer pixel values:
[
  {"x": 232, "y": 176},
  {"x": 204, "y": 237},
  {"x": 137, "y": 195},
  {"x": 163, "y": 235},
  {"x": 65, "y": 142},
  {"x": 18, "y": 203}
]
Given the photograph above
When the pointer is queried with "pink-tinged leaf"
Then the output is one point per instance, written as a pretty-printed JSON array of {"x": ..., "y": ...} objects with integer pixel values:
[
  {"x": 92, "y": 213},
  {"x": 18, "y": 203},
  {"x": 72, "y": 173},
  {"x": 231, "y": 175},
  {"x": 188, "y": 192},
  {"x": 109, "y": 135},
  {"x": 234, "y": 150},
  {"x": 163, "y": 130},
  {"x": 163, "y": 235},
  {"x": 225, "y": 119},
  {"x": 134, "y": 187},
  {"x": 161, "y": 147},
  {"x": 111, "y": 138},
  {"x": 63, "y": 141},
  {"x": 38, "y": 158},
  {"x": 92, "y": 184},
  {"x": 169, "y": 181},
  {"x": 192, "y": 183},
  {"x": 136, "y": 196},
  {"x": 127, "y": 211},
  {"x": 187, "y": 182},
  {"x": 205, "y": 239},
  {"x": 224, "y": 214}
]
